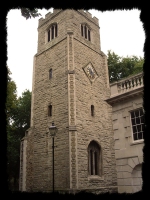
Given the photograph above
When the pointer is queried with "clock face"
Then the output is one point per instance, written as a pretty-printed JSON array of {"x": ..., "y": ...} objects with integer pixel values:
[{"x": 90, "y": 72}]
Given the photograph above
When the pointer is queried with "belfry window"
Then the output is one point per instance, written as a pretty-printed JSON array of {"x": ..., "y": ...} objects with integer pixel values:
[
  {"x": 86, "y": 32},
  {"x": 95, "y": 161},
  {"x": 52, "y": 32}
]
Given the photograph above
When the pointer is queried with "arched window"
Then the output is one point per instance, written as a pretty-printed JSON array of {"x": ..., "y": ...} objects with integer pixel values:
[
  {"x": 92, "y": 110},
  {"x": 50, "y": 73},
  {"x": 95, "y": 159},
  {"x": 52, "y": 32},
  {"x": 86, "y": 32}
]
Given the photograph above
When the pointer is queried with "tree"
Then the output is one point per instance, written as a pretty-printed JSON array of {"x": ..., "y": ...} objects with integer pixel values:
[
  {"x": 121, "y": 67},
  {"x": 113, "y": 66},
  {"x": 11, "y": 101},
  {"x": 28, "y": 13},
  {"x": 11, "y": 96},
  {"x": 22, "y": 113},
  {"x": 18, "y": 121}
]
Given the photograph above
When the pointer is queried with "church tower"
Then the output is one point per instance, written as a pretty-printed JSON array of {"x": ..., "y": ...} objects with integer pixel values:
[{"x": 70, "y": 85}]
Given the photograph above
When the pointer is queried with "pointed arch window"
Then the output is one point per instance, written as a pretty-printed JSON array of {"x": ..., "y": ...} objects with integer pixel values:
[
  {"x": 95, "y": 159},
  {"x": 85, "y": 32},
  {"x": 52, "y": 32}
]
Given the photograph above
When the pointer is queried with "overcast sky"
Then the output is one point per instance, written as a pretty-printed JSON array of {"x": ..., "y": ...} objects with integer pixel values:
[{"x": 120, "y": 31}]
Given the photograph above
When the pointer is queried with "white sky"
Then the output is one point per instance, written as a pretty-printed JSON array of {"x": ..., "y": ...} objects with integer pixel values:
[{"x": 120, "y": 31}]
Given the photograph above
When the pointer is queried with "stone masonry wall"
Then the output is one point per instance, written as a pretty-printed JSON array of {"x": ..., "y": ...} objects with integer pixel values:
[
  {"x": 128, "y": 153},
  {"x": 89, "y": 128},
  {"x": 29, "y": 159},
  {"x": 54, "y": 92},
  {"x": 69, "y": 20},
  {"x": 71, "y": 94}
]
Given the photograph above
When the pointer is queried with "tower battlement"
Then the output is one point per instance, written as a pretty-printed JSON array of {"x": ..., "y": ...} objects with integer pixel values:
[
  {"x": 50, "y": 15},
  {"x": 89, "y": 16}
]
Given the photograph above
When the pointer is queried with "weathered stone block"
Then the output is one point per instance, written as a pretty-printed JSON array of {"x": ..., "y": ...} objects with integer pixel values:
[
  {"x": 122, "y": 161},
  {"x": 131, "y": 162}
]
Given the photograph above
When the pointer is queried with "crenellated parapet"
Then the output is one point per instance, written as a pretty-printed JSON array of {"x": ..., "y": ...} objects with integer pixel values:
[
  {"x": 89, "y": 16},
  {"x": 48, "y": 16}
]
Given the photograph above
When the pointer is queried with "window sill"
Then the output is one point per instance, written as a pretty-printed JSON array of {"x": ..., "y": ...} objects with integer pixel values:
[
  {"x": 95, "y": 178},
  {"x": 137, "y": 142}
]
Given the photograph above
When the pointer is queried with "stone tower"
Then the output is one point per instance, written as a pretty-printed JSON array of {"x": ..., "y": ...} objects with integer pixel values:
[{"x": 70, "y": 85}]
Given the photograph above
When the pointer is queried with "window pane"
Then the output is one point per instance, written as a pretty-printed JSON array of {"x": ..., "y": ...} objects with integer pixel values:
[
  {"x": 132, "y": 114},
  {"x": 142, "y": 127},
  {"x": 135, "y": 136},
  {"x": 91, "y": 161},
  {"x": 137, "y": 113},
  {"x": 85, "y": 32},
  {"x": 48, "y": 35},
  {"x": 82, "y": 30},
  {"x": 142, "y": 119},
  {"x": 56, "y": 30},
  {"x": 140, "y": 135},
  {"x": 139, "y": 128},
  {"x": 89, "y": 37},
  {"x": 52, "y": 32},
  {"x": 134, "y": 129},
  {"x": 95, "y": 154},
  {"x": 138, "y": 120},
  {"x": 133, "y": 121}
]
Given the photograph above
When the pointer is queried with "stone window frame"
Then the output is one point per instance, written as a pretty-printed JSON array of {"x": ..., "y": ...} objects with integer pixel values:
[
  {"x": 137, "y": 124},
  {"x": 85, "y": 31},
  {"x": 52, "y": 32},
  {"x": 94, "y": 165}
]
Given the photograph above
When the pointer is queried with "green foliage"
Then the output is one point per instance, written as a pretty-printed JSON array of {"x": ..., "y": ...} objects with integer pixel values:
[
  {"x": 120, "y": 67},
  {"x": 18, "y": 121},
  {"x": 22, "y": 112},
  {"x": 11, "y": 96},
  {"x": 28, "y": 13}
]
